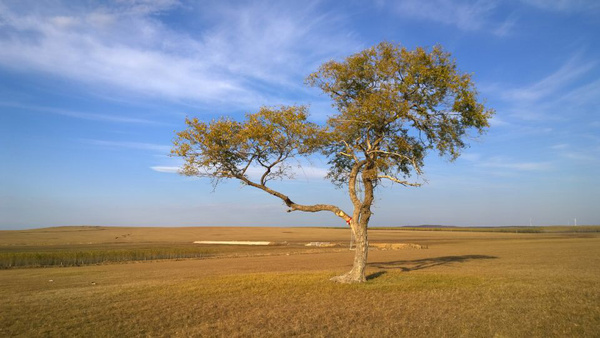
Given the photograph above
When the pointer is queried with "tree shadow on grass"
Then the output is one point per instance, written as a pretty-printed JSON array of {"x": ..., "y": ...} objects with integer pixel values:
[
  {"x": 420, "y": 264},
  {"x": 376, "y": 275}
]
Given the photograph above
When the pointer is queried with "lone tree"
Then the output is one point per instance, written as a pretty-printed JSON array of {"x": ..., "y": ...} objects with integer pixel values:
[{"x": 394, "y": 105}]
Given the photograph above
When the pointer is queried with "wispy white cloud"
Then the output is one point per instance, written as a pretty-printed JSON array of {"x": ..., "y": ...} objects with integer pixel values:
[
  {"x": 586, "y": 153},
  {"x": 496, "y": 121},
  {"x": 588, "y": 93},
  {"x": 566, "y": 6},
  {"x": 144, "y": 7},
  {"x": 124, "y": 46},
  {"x": 81, "y": 115},
  {"x": 506, "y": 163},
  {"x": 471, "y": 157},
  {"x": 560, "y": 146},
  {"x": 553, "y": 98},
  {"x": 130, "y": 145},
  {"x": 570, "y": 71},
  {"x": 466, "y": 15},
  {"x": 272, "y": 40},
  {"x": 166, "y": 169},
  {"x": 580, "y": 156},
  {"x": 509, "y": 164},
  {"x": 506, "y": 27}
]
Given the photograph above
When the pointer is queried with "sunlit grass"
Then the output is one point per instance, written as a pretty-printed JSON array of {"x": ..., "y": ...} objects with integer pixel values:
[
  {"x": 285, "y": 304},
  {"x": 464, "y": 284}
]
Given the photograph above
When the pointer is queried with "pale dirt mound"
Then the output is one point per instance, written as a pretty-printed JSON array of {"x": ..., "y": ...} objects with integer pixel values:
[
  {"x": 322, "y": 244},
  {"x": 236, "y": 242},
  {"x": 396, "y": 246}
]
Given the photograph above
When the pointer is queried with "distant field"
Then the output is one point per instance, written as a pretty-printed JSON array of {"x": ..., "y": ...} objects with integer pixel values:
[
  {"x": 480, "y": 284},
  {"x": 85, "y": 245},
  {"x": 77, "y": 246},
  {"x": 517, "y": 229}
]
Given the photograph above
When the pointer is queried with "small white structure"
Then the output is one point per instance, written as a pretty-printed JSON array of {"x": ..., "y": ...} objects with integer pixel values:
[{"x": 235, "y": 242}]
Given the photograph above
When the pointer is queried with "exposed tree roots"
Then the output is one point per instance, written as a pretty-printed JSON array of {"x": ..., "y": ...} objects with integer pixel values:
[{"x": 350, "y": 278}]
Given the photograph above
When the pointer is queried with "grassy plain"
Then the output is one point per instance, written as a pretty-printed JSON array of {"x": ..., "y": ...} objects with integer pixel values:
[{"x": 465, "y": 284}]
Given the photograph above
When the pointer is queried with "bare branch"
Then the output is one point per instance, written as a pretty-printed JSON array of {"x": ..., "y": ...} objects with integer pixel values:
[
  {"x": 248, "y": 165},
  {"x": 351, "y": 152},
  {"x": 353, "y": 120},
  {"x": 295, "y": 206},
  {"x": 264, "y": 177},
  {"x": 377, "y": 142},
  {"x": 395, "y": 180},
  {"x": 352, "y": 183}
]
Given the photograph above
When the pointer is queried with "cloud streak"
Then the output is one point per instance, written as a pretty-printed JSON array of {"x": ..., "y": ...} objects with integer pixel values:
[
  {"x": 81, "y": 115},
  {"x": 130, "y": 145},
  {"x": 166, "y": 169},
  {"x": 570, "y": 71},
  {"x": 501, "y": 162},
  {"x": 581, "y": 154},
  {"x": 127, "y": 48},
  {"x": 465, "y": 15},
  {"x": 562, "y": 94},
  {"x": 565, "y": 6},
  {"x": 518, "y": 166}
]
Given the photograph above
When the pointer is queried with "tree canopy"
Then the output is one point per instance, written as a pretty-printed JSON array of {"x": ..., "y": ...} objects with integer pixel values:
[
  {"x": 394, "y": 105},
  {"x": 226, "y": 148}
]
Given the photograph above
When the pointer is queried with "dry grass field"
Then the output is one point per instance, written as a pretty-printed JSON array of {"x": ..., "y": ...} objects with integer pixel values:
[{"x": 466, "y": 284}]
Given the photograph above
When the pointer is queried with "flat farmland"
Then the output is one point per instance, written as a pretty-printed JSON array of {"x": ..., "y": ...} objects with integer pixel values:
[{"x": 475, "y": 284}]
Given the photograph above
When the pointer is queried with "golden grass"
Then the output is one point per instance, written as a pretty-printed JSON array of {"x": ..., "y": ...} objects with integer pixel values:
[{"x": 505, "y": 285}]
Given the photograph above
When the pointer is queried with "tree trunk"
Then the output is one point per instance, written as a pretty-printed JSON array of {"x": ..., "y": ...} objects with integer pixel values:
[
  {"x": 362, "y": 214},
  {"x": 357, "y": 274}
]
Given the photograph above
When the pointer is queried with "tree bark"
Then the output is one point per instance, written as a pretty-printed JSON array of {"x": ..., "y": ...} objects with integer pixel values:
[
  {"x": 359, "y": 224},
  {"x": 357, "y": 274},
  {"x": 295, "y": 206}
]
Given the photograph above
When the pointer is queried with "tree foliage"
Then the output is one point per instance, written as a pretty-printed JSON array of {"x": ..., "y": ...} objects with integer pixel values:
[
  {"x": 226, "y": 148},
  {"x": 394, "y": 106}
]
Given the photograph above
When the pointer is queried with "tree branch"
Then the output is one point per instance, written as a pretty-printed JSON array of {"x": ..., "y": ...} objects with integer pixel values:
[
  {"x": 352, "y": 183},
  {"x": 263, "y": 179},
  {"x": 395, "y": 180},
  {"x": 412, "y": 160},
  {"x": 248, "y": 165},
  {"x": 351, "y": 152},
  {"x": 295, "y": 206}
]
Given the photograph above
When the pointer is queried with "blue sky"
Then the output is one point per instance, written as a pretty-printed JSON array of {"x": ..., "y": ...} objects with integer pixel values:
[{"x": 91, "y": 93}]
